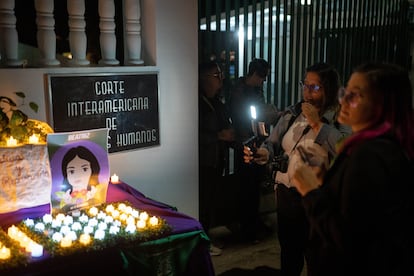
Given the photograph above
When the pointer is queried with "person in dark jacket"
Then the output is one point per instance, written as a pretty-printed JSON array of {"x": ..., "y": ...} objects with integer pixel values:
[
  {"x": 247, "y": 92},
  {"x": 215, "y": 136},
  {"x": 361, "y": 211}
]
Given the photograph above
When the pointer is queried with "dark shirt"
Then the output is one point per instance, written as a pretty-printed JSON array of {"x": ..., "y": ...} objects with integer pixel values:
[
  {"x": 361, "y": 217},
  {"x": 213, "y": 117},
  {"x": 242, "y": 97}
]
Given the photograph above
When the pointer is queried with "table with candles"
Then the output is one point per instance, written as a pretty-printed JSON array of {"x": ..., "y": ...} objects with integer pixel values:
[{"x": 168, "y": 242}]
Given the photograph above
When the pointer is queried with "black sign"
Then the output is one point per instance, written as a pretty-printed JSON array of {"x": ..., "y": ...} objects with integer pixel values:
[{"x": 126, "y": 104}]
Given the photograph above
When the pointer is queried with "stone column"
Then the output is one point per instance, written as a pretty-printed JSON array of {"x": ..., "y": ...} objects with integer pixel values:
[
  {"x": 46, "y": 37},
  {"x": 8, "y": 35},
  {"x": 77, "y": 35},
  {"x": 107, "y": 37},
  {"x": 132, "y": 15}
]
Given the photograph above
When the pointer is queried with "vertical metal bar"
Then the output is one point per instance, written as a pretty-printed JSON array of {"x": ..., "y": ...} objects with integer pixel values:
[
  {"x": 262, "y": 30},
  {"x": 237, "y": 23},
  {"x": 323, "y": 30},
  {"x": 246, "y": 26},
  {"x": 271, "y": 79},
  {"x": 318, "y": 30},
  {"x": 309, "y": 35},
  {"x": 277, "y": 62},
  {"x": 301, "y": 46},
  {"x": 254, "y": 25},
  {"x": 291, "y": 51},
  {"x": 283, "y": 68},
  {"x": 305, "y": 39}
]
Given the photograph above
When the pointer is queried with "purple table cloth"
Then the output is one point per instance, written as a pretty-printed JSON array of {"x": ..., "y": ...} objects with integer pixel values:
[{"x": 200, "y": 260}]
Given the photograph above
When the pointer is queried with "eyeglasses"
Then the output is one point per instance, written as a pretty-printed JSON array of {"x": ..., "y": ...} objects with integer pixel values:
[
  {"x": 310, "y": 87},
  {"x": 351, "y": 98}
]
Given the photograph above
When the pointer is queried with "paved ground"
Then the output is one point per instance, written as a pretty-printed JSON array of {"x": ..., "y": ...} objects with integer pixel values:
[{"x": 245, "y": 259}]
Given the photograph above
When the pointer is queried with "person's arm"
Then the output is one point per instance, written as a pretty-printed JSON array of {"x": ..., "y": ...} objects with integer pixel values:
[{"x": 329, "y": 135}]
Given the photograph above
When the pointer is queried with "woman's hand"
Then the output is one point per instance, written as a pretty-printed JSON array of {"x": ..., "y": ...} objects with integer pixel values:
[
  {"x": 306, "y": 178},
  {"x": 311, "y": 114},
  {"x": 260, "y": 156}
]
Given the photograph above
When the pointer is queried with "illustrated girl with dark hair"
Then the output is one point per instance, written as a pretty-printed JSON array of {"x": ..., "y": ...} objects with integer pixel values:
[{"x": 80, "y": 169}]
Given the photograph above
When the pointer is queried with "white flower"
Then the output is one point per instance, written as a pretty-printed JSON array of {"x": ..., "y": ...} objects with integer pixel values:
[
  {"x": 47, "y": 218},
  {"x": 131, "y": 228},
  {"x": 114, "y": 229},
  {"x": 29, "y": 222},
  {"x": 57, "y": 237},
  {"x": 99, "y": 234},
  {"x": 93, "y": 222},
  {"x": 65, "y": 229},
  {"x": 83, "y": 218},
  {"x": 102, "y": 226},
  {"x": 76, "y": 226},
  {"x": 88, "y": 229},
  {"x": 40, "y": 226},
  {"x": 68, "y": 220}
]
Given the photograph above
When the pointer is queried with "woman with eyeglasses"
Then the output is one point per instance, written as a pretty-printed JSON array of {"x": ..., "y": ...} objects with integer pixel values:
[
  {"x": 309, "y": 125},
  {"x": 215, "y": 136},
  {"x": 361, "y": 212}
]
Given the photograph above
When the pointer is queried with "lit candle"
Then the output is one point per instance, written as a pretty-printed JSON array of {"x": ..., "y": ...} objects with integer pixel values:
[
  {"x": 12, "y": 231},
  {"x": 34, "y": 139},
  {"x": 114, "y": 179},
  {"x": 93, "y": 211},
  {"x": 36, "y": 249},
  {"x": 153, "y": 221},
  {"x": 11, "y": 142},
  {"x": 85, "y": 238},
  {"x": 4, "y": 253},
  {"x": 66, "y": 241},
  {"x": 141, "y": 224},
  {"x": 143, "y": 216}
]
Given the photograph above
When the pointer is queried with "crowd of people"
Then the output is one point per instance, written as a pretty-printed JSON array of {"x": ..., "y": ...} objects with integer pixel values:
[{"x": 341, "y": 157}]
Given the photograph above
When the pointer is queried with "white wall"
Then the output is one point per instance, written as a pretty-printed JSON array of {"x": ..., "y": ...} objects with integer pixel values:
[{"x": 169, "y": 172}]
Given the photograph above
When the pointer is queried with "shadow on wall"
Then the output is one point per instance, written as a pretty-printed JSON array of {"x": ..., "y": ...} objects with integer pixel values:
[{"x": 258, "y": 271}]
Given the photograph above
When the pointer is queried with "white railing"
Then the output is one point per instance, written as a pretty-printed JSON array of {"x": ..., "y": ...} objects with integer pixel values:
[{"x": 46, "y": 37}]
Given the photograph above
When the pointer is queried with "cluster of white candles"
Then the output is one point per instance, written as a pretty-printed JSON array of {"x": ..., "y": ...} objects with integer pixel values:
[
  {"x": 4, "y": 252},
  {"x": 33, "y": 139},
  {"x": 27, "y": 243},
  {"x": 95, "y": 224}
]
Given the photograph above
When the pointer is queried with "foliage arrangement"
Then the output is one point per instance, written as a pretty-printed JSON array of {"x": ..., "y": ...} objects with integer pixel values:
[
  {"x": 20, "y": 127},
  {"x": 19, "y": 257},
  {"x": 122, "y": 238}
]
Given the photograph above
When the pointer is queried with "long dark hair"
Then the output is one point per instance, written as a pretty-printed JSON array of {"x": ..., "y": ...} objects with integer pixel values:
[
  {"x": 331, "y": 83},
  {"x": 390, "y": 86},
  {"x": 83, "y": 153}
]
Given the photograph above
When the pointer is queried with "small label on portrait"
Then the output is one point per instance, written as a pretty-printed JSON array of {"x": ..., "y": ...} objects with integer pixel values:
[{"x": 80, "y": 169}]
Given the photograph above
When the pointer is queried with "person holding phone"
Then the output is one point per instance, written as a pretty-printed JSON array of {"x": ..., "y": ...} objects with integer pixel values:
[
  {"x": 310, "y": 125},
  {"x": 361, "y": 210}
]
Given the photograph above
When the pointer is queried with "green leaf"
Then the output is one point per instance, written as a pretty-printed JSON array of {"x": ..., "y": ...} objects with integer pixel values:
[
  {"x": 20, "y": 94},
  {"x": 34, "y": 106}
]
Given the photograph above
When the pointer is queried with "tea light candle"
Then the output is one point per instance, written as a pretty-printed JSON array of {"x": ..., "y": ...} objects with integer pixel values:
[
  {"x": 85, "y": 238},
  {"x": 114, "y": 179},
  {"x": 93, "y": 211},
  {"x": 141, "y": 224},
  {"x": 66, "y": 241},
  {"x": 153, "y": 221},
  {"x": 12, "y": 231},
  {"x": 36, "y": 249},
  {"x": 4, "y": 253},
  {"x": 34, "y": 139},
  {"x": 11, "y": 142}
]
